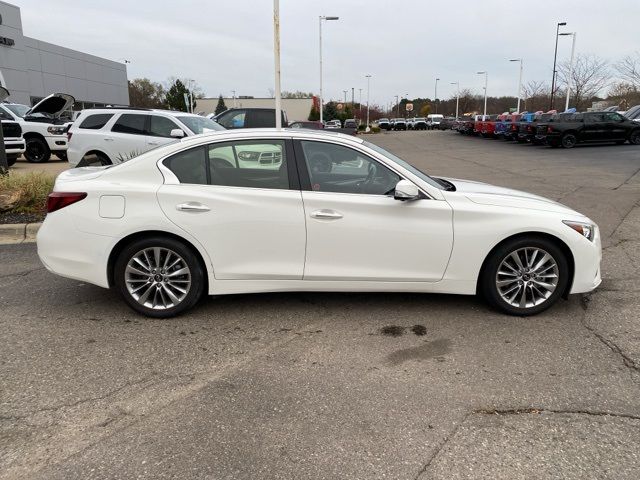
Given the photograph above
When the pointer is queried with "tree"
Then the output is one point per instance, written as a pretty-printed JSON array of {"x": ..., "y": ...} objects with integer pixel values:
[
  {"x": 589, "y": 76},
  {"x": 144, "y": 93},
  {"x": 536, "y": 96},
  {"x": 296, "y": 94},
  {"x": 314, "y": 114},
  {"x": 425, "y": 110},
  {"x": 629, "y": 69},
  {"x": 221, "y": 107},
  {"x": 175, "y": 96},
  {"x": 624, "y": 94}
]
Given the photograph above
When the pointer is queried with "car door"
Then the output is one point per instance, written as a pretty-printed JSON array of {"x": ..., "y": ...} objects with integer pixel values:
[
  {"x": 357, "y": 231},
  {"x": 241, "y": 201},
  {"x": 127, "y": 137},
  {"x": 595, "y": 127},
  {"x": 159, "y": 132},
  {"x": 616, "y": 127}
]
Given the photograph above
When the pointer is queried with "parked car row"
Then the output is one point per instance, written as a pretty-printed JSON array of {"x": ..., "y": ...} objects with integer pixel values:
[
  {"x": 430, "y": 122},
  {"x": 565, "y": 129},
  {"x": 35, "y": 132}
]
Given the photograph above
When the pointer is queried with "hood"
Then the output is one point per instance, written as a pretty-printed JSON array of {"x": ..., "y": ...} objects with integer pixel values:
[
  {"x": 485, "y": 194},
  {"x": 4, "y": 93},
  {"x": 52, "y": 105}
]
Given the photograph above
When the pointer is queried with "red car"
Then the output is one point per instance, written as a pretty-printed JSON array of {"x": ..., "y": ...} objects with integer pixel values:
[{"x": 489, "y": 126}]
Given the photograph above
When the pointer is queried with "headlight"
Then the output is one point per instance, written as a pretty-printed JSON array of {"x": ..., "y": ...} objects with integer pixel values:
[
  {"x": 59, "y": 130},
  {"x": 587, "y": 230}
]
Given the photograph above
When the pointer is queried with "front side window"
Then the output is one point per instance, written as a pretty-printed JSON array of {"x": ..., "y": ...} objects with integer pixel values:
[
  {"x": 130, "y": 123},
  {"x": 595, "y": 117},
  {"x": 97, "y": 121},
  {"x": 161, "y": 126},
  {"x": 613, "y": 117},
  {"x": 233, "y": 119},
  {"x": 339, "y": 169},
  {"x": 249, "y": 163}
]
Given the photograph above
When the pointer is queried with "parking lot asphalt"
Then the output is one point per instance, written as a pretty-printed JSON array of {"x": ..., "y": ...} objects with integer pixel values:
[{"x": 365, "y": 386}]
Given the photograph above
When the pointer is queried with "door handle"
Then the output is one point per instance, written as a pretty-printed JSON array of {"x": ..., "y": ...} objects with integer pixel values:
[
  {"x": 108, "y": 139},
  {"x": 326, "y": 215},
  {"x": 192, "y": 207},
  {"x": 154, "y": 143}
]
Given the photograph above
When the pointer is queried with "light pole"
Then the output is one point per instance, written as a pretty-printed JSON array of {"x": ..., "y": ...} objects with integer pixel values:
[
  {"x": 435, "y": 95},
  {"x": 368, "y": 84},
  {"x": 519, "y": 83},
  {"x": 276, "y": 51},
  {"x": 345, "y": 96},
  {"x": 320, "y": 19},
  {"x": 190, "y": 87},
  {"x": 233, "y": 93},
  {"x": 457, "y": 84},
  {"x": 397, "y": 107},
  {"x": 360, "y": 105},
  {"x": 486, "y": 81},
  {"x": 555, "y": 56},
  {"x": 573, "y": 51}
]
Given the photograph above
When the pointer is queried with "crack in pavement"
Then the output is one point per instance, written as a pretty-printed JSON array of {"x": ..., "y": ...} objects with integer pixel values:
[
  {"x": 534, "y": 410},
  {"x": 626, "y": 360},
  {"x": 21, "y": 274}
]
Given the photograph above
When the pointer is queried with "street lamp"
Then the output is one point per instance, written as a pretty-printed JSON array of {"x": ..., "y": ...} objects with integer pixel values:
[
  {"x": 457, "y": 84},
  {"x": 519, "y": 82},
  {"x": 320, "y": 19},
  {"x": 397, "y": 106},
  {"x": 345, "y": 96},
  {"x": 486, "y": 81},
  {"x": 276, "y": 62},
  {"x": 233, "y": 93},
  {"x": 555, "y": 56},
  {"x": 435, "y": 96},
  {"x": 368, "y": 83},
  {"x": 360, "y": 106},
  {"x": 573, "y": 51}
]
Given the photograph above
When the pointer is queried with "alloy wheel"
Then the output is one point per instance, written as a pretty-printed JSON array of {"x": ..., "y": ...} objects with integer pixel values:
[
  {"x": 527, "y": 277},
  {"x": 157, "y": 278}
]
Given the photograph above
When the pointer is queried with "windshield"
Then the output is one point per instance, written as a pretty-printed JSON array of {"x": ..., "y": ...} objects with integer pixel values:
[
  {"x": 200, "y": 124},
  {"x": 423, "y": 176},
  {"x": 17, "y": 109}
]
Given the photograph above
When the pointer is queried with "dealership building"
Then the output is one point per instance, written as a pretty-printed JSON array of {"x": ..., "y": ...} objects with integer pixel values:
[{"x": 32, "y": 69}]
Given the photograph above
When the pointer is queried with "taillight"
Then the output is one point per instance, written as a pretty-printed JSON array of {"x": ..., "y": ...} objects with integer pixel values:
[
  {"x": 69, "y": 134},
  {"x": 58, "y": 200},
  {"x": 549, "y": 129}
]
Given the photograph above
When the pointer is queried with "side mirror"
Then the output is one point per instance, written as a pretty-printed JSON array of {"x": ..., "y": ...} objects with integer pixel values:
[
  {"x": 177, "y": 133},
  {"x": 405, "y": 190}
]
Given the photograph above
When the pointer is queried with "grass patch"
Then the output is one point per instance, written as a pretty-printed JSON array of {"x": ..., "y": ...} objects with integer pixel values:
[{"x": 25, "y": 193}]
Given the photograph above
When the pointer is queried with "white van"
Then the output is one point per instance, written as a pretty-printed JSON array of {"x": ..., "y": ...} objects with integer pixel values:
[{"x": 433, "y": 120}]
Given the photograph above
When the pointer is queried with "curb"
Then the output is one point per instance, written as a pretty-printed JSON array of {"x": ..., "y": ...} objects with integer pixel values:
[{"x": 13, "y": 233}]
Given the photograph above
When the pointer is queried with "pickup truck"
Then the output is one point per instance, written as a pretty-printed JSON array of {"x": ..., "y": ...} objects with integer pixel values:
[
  {"x": 501, "y": 124},
  {"x": 489, "y": 126},
  {"x": 512, "y": 124},
  {"x": 248, "y": 118},
  {"x": 528, "y": 124},
  {"x": 384, "y": 124},
  {"x": 11, "y": 132},
  {"x": 569, "y": 129}
]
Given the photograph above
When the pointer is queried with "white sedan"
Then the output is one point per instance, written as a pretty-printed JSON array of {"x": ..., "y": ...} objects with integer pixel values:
[{"x": 330, "y": 213}]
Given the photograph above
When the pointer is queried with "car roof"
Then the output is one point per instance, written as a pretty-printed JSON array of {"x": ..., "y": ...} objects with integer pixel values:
[
  {"x": 273, "y": 133},
  {"x": 139, "y": 110}
]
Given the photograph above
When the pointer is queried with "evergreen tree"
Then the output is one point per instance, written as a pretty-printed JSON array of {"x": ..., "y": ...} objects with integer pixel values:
[
  {"x": 175, "y": 96},
  {"x": 221, "y": 107}
]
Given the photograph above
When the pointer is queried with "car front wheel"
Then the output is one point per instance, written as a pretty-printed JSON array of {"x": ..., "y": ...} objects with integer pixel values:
[
  {"x": 569, "y": 140},
  {"x": 634, "y": 138},
  {"x": 36, "y": 150},
  {"x": 524, "y": 276},
  {"x": 159, "y": 277}
]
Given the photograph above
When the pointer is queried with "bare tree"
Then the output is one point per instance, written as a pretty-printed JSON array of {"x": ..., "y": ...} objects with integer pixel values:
[
  {"x": 589, "y": 77},
  {"x": 629, "y": 69}
]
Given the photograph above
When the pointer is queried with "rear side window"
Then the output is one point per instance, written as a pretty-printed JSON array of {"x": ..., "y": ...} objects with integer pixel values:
[
  {"x": 130, "y": 123},
  {"x": 97, "y": 121},
  {"x": 262, "y": 119},
  {"x": 189, "y": 166},
  {"x": 234, "y": 119}
]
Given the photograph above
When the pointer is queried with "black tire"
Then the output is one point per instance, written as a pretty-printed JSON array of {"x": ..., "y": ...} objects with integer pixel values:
[
  {"x": 11, "y": 160},
  {"x": 62, "y": 156},
  {"x": 568, "y": 140},
  {"x": 489, "y": 276},
  {"x": 634, "y": 137},
  {"x": 197, "y": 276},
  {"x": 37, "y": 150}
]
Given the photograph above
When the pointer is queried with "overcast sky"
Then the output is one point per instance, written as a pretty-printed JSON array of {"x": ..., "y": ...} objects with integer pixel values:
[{"x": 404, "y": 44}]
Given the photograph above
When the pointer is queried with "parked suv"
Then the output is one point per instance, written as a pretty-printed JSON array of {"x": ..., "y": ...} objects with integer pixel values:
[
  {"x": 592, "y": 127},
  {"x": 384, "y": 124},
  {"x": 42, "y": 127},
  {"x": 249, "y": 118},
  {"x": 113, "y": 135},
  {"x": 11, "y": 132}
]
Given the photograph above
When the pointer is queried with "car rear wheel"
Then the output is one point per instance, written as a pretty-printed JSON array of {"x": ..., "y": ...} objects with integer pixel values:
[
  {"x": 36, "y": 150},
  {"x": 634, "y": 138},
  {"x": 569, "y": 140},
  {"x": 159, "y": 277},
  {"x": 524, "y": 276}
]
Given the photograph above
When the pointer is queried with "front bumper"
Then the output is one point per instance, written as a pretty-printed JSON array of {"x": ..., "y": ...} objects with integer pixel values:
[
  {"x": 14, "y": 147},
  {"x": 587, "y": 256},
  {"x": 57, "y": 143}
]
